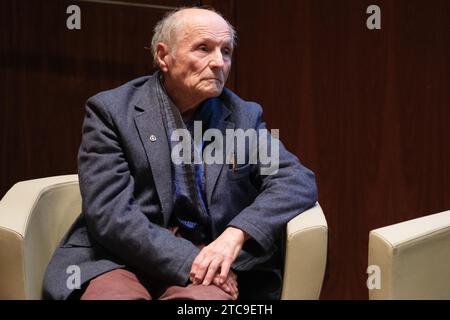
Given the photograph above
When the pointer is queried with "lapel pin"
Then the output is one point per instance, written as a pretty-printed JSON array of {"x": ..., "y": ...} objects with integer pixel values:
[{"x": 152, "y": 138}]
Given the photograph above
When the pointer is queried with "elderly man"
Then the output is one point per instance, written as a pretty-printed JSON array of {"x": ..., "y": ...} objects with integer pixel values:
[{"x": 153, "y": 228}]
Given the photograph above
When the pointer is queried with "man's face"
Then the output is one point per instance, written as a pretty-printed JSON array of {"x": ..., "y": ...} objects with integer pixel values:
[{"x": 202, "y": 59}]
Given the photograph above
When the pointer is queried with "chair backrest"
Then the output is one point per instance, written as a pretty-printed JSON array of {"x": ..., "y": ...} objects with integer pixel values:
[
  {"x": 34, "y": 216},
  {"x": 413, "y": 258}
]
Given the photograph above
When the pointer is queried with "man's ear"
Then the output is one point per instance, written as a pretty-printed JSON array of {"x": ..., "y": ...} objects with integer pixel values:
[{"x": 163, "y": 56}]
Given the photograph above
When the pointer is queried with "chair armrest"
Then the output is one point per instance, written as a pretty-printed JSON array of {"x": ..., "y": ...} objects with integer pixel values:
[
  {"x": 306, "y": 255},
  {"x": 34, "y": 215},
  {"x": 413, "y": 257}
]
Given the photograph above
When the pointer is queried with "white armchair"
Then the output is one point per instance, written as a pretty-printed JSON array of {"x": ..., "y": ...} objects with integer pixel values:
[
  {"x": 34, "y": 216},
  {"x": 413, "y": 257}
]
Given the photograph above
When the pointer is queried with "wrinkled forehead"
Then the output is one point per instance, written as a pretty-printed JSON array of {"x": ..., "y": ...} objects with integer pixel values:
[{"x": 208, "y": 26}]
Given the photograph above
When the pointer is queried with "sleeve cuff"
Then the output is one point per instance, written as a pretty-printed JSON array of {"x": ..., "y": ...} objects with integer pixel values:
[
  {"x": 185, "y": 269},
  {"x": 255, "y": 233}
]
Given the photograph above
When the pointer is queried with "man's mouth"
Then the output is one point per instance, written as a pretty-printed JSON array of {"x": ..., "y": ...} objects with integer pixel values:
[{"x": 213, "y": 79}]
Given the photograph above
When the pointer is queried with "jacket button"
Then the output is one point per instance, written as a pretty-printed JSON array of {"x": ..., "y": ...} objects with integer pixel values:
[{"x": 152, "y": 138}]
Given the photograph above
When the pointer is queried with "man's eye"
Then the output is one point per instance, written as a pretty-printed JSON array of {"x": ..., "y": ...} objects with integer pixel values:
[
  {"x": 226, "y": 52},
  {"x": 203, "y": 48}
]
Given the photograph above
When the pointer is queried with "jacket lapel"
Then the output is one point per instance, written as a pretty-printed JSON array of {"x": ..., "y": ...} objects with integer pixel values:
[{"x": 149, "y": 123}]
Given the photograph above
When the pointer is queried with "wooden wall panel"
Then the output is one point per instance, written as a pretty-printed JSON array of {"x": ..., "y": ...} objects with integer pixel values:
[{"x": 368, "y": 111}]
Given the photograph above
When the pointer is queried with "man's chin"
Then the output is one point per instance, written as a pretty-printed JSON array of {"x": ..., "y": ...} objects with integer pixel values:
[{"x": 213, "y": 92}]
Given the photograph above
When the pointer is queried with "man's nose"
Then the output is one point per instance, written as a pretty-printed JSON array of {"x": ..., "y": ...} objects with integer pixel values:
[{"x": 217, "y": 59}]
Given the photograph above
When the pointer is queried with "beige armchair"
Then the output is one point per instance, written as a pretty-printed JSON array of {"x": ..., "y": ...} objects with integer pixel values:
[
  {"x": 305, "y": 256},
  {"x": 413, "y": 258},
  {"x": 35, "y": 214}
]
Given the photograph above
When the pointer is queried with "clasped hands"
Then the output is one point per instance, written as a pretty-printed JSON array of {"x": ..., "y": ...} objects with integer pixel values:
[{"x": 213, "y": 263}]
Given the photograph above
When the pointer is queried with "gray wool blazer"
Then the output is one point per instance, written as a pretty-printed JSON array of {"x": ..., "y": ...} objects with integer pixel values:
[{"x": 126, "y": 188}]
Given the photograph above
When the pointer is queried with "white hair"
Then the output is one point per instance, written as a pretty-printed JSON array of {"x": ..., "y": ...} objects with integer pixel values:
[{"x": 168, "y": 28}]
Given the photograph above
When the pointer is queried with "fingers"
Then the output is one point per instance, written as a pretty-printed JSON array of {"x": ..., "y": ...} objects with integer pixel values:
[
  {"x": 204, "y": 268},
  {"x": 225, "y": 268},
  {"x": 225, "y": 287},
  {"x": 232, "y": 280},
  {"x": 206, "y": 265},
  {"x": 211, "y": 272},
  {"x": 201, "y": 271},
  {"x": 229, "y": 287},
  {"x": 219, "y": 255},
  {"x": 232, "y": 284},
  {"x": 194, "y": 275}
]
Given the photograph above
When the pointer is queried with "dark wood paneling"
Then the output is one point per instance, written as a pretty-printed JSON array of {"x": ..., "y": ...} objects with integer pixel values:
[{"x": 368, "y": 111}]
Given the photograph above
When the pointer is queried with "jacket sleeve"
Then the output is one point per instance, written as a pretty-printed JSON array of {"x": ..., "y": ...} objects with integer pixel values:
[
  {"x": 282, "y": 196},
  {"x": 113, "y": 217}
]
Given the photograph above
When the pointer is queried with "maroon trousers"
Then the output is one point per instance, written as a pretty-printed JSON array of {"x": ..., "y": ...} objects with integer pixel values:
[{"x": 122, "y": 284}]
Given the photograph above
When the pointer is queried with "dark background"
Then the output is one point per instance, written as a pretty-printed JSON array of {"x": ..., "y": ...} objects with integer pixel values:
[{"x": 367, "y": 110}]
